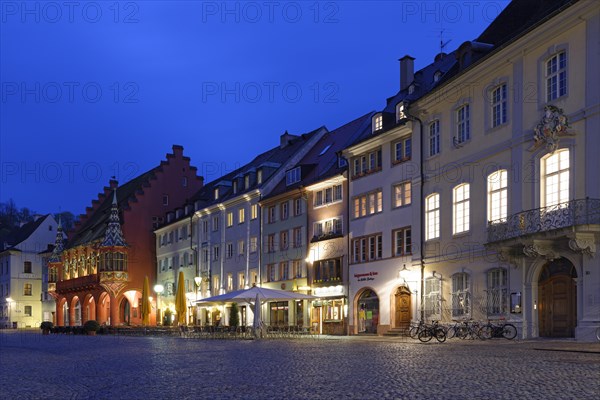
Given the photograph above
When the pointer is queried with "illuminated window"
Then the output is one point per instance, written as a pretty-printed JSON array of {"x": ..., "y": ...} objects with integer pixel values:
[
  {"x": 461, "y": 205},
  {"x": 555, "y": 179},
  {"x": 432, "y": 216},
  {"x": 377, "y": 122},
  {"x": 461, "y": 297},
  {"x": 556, "y": 76},
  {"x": 254, "y": 211},
  {"x": 433, "y": 298},
  {"x": 253, "y": 244},
  {"x": 497, "y": 299},
  {"x": 402, "y": 194},
  {"x": 241, "y": 215},
  {"x": 367, "y": 204},
  {"x": 27, "y": 288},
  {"x": 230, "y": 219},
  {"x": 497, "y": 196}
]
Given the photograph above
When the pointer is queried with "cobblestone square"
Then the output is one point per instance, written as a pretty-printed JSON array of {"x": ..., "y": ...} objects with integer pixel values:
[{"x": 34, "y": 366}]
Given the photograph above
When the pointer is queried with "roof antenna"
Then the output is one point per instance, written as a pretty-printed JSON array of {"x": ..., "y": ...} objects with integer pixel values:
[{"x": 442, "y": 43}]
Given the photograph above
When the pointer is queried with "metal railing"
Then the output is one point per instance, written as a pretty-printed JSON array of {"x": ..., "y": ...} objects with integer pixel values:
[{"x": 571, "y": 213}]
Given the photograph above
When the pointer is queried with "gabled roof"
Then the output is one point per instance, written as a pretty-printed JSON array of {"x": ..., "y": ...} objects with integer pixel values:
[
  {"x": 21, "y": 234},
  {"x": 95, "y": 225},
  {"x": 274, "y": 157},
  {"x": 321, "y": 162}
]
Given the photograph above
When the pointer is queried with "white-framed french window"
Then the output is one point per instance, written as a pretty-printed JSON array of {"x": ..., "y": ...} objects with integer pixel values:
[
  {"x": 555, "y": 169},
  {"x": 463, "y": 123},
  {"x": 497, "y": 186},
  {"x": 253, "y": 244},
  {"x": 556, "y": 76},
  {"x": 241, "y": 247},
  {"x": 497, "y": 292},
  {"x": 460, "y": 208},
  {"x": 433, "y": 298},
  {"x": 297, "y": 207},
  {"x": 402, "y": 245},
  {"x": 241, "y": 215},
  {"x": 229, "y": 219},
  {"x": 461, "y": 295},
  {"x": 499, "y": 105},
  {"x": 434, "y": 138},
  {"x": 401, "y": 150},
  {"x": 432, "y": 216},
  {"x": 253, "y": 211},
  {"x": 292, "y": 176}
]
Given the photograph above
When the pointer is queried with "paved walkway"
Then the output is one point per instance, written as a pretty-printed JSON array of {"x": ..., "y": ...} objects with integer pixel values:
[{"x": 33, "y": 366}]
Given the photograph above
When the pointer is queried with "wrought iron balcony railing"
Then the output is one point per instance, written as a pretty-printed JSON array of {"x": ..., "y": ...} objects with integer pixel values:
[{"x": 571, "y": 213}]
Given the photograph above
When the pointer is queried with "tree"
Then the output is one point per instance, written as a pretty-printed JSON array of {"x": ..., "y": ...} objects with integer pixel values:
[{"x": 234, "y": 317}]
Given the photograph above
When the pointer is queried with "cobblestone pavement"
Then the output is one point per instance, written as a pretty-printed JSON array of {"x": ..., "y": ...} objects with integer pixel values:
[{"x": 33, "y": 366}]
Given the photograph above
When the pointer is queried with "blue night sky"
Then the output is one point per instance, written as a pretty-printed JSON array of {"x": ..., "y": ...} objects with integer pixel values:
[{"x": 97, "y": 89}]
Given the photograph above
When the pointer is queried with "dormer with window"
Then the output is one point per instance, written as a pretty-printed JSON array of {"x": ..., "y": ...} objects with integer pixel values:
[
  {"x": 400, "y": 111},
  {"x": 411, "y": 88},
  {"x": 293, "y": 176},
  {"x": 437, "y": 76},
  {"x": 377, "y": 122}
]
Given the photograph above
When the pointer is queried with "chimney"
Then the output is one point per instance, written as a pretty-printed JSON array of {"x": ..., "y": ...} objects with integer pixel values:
[
  {"x": 285, "y": 139},
  {"x": 407, "y": 71}
]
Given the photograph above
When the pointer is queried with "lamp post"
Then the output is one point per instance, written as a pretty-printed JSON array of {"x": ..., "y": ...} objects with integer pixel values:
[
  {"x": 158, "y": 289},
  {"x": 198, "y": 282},
  {"x": 9, "y": 301}
]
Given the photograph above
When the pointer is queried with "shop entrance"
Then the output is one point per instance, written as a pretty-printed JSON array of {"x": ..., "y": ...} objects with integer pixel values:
[
  {"x": 368, "y": 312},
  {"x": 557, "y": 296},
  {"x": 402, "y": 303}
]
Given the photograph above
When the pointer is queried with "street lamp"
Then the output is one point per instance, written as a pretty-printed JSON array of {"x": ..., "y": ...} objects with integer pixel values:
[
  {"x": 158, "y": 289},
  {"x": 9, "y": 301}
]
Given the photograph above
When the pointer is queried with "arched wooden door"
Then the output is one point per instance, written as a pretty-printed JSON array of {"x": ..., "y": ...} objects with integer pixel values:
[
  {"x": 557, "y": 295},
  {"x": 402, "y": 300}
]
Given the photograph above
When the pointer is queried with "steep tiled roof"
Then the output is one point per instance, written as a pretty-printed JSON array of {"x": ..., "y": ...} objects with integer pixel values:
[
  {"x": 321, "y": 162},
  {"x": 275, "y": 156},
  {"x": 94, "y": 227},
  {"x": 21, "y": 234}
]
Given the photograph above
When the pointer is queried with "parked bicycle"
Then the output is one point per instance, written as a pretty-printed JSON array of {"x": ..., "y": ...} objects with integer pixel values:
[
  {"x": 498, "y": 330},
  {"x": 430, "y": 331},
  {"x": 414, "y": 330}
]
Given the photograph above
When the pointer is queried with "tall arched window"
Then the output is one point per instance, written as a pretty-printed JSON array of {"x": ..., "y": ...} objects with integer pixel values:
[
  {"x": 555, "y": 178},
  {"x": 461, "y": 208},
  {"x": 432, "y": 216},
  {"x": 497, "y": 183}
]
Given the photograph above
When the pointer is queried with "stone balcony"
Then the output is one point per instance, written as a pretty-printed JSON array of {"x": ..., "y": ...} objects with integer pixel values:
[
  {"x": 539, "y": 220},
  {"x": 82, "y": 282}
]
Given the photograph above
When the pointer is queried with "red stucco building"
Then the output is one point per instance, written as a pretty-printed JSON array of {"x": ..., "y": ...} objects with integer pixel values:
[{"x": 99, "y": 272}]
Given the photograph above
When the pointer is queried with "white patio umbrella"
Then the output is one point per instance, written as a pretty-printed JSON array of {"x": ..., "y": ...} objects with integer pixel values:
[{"x": 249, "y": 295}]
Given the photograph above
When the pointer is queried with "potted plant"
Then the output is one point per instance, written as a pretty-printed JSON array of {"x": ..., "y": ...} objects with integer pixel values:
[
  {"x": 46, "y": 326},
  {"x": 91, "y": 326}
]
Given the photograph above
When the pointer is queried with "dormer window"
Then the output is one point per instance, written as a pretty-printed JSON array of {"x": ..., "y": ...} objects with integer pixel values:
[
  {"x": 400, "y": 111},
  {"x": 437, "y": 76},
  {"x": 246, "y": 181},
  {"x": 259, "y": 176},
  {"x": 377, "y": 123},
  {"x": 235, "y": 186},
  {"x": 217, "y": 194},
  {"x": 411, "y": 89},
  {"x": 292, "y": 176}
]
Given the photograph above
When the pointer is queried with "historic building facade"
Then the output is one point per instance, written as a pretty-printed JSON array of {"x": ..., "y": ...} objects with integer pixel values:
[
  {"x": 100, "y": 271},
  {"x": 21, "y": 273}
]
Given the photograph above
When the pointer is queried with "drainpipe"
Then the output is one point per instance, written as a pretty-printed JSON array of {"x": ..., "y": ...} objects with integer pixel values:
[{"x": 422, "y": 216}]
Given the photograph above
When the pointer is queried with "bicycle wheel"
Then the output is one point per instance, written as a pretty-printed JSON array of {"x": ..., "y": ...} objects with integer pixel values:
[
  {"x": 425, "y": 335},
  {"x": 440, "y": 335},
  {"x": 485, "y": 332},
  {"x": 461, "y": 332},
  {"x": 451, "y": 332},
  {"x": 414, "y": 332},
  {"x": 509, "y": 331}
]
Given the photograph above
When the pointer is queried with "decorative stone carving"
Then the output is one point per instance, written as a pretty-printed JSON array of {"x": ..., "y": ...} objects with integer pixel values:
[
  {"x": 553, "y": 124},
  {"x": 583, "y": 244},
  {"x": 537, "y": 249}
]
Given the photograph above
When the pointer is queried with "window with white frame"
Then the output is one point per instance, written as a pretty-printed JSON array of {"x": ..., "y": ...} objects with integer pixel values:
[
  {"x": 367, "y": 204},
  {"x": 284, "y": 210},
  {"x": 230, "y": 219},
  {"x": 241, "y": 247},
  {"x": 463, "y": 124},
  {"x": 241, "y": 280},
  {"x": 497, "y": 183},
  {"x": 402, "y": 194},
  {"x": 272, "y": 275},
  {"x": 229, "y": 282},
  {"x": 259, "y": 176},
  {"x": 329, "y": 195},
  {"x": 229, "y": 250},
  {"x": 216, "y": 194},
  {"x": 402, "y": 242},
  {"x": 377, "y": 122},
  {"x": 284, "y": 241},
  {"x": 215, "y": 253},
  {"x": 253, "y": 244},
  {"x": 402, "y": 150},
  {"x": 367, "y": 163},
  {"x": 556, "y": 76},
  {"x": 432, "y": 216},
  {"x": 499, "y": 105},
  {"x": 292, "y": 176},
  {"x": 254, "y": 211},
  {"x": 235, "y": 185},
  {"x": 297, "y": 207},
  {"x": 271, "y": 243},
  {"x": 434, "y": 138},
  {"x": 298, "y": 269},
  {"x": 297, "y": 237},
  {"x": 433, "y": 298},
  {"x": 461, "y": 296},
  {"x": 272, "y": 214},
  {"x": 216, "y": 283},
  {"x": 400, "y": 111},
  {"x": 215, "y": 223},
  {"x": 205, "y": 226},
  {"x": 331, "y": 226},
  {"x": 241, "y": 215},
  {"x": 460, "y": 208},
  {"x": 555, "y": 178},
  {"x": 497, "y": 296},
  {"x": 284, "y": 271},
  {"x": 246, "y": 182}
]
